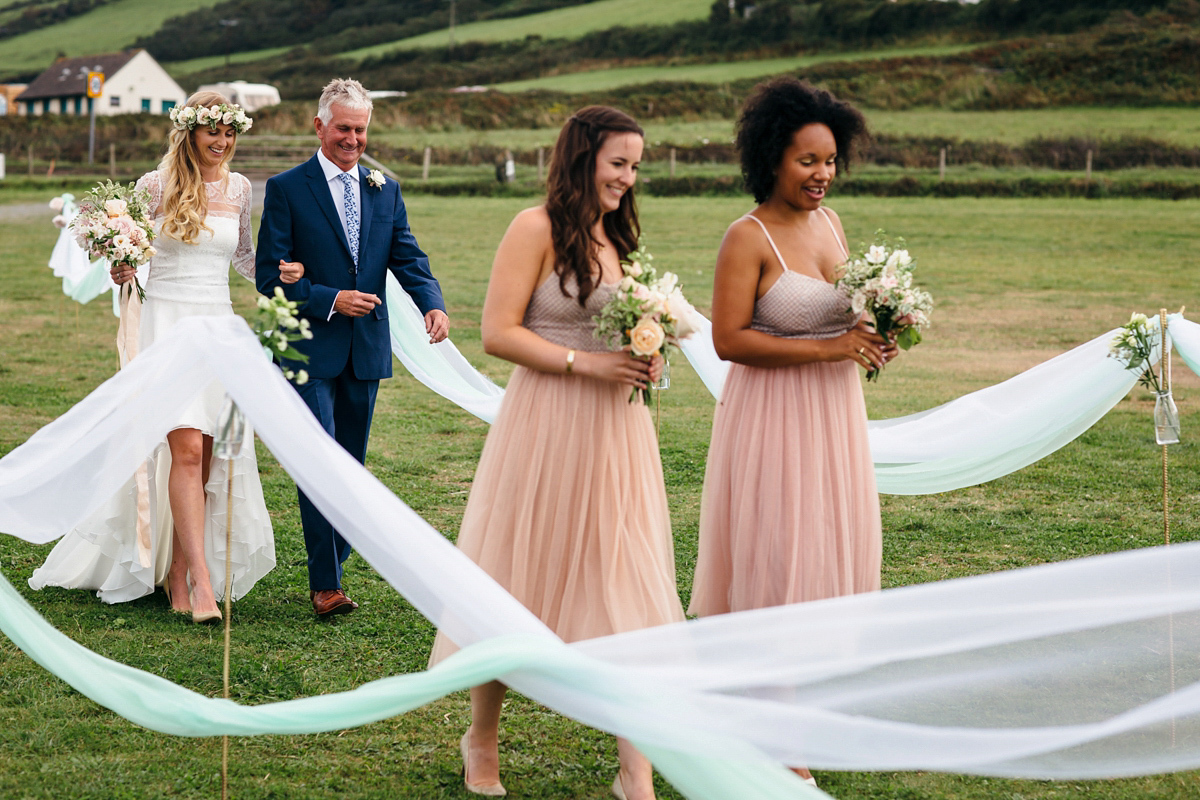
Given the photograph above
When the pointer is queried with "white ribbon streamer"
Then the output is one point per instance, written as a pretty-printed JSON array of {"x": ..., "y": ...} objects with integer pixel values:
[{"x": 1058, "y": 671}]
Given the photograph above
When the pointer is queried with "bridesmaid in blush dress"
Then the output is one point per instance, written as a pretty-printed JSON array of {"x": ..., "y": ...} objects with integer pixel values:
[
  {"x": 568, "y": 510},
  {"x": 790, "y": 511}
]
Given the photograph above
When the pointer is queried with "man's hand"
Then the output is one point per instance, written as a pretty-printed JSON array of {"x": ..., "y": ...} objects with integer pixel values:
[
  {"x": 290, "y": 271},
  {"x": 437, "y": 325},
  {"x": 353, "y": 303}
]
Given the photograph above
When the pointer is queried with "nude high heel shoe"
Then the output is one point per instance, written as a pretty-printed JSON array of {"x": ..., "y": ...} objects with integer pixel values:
[
  {"x": 203, "y": 617},
  {"x": 488, "y": 789}
]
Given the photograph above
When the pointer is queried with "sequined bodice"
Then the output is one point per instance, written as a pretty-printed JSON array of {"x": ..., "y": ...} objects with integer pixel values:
[
  {"x": 560, "y": 319},
  {"x": 800, "y": 306},
  {"x": 199, "y": 272}
]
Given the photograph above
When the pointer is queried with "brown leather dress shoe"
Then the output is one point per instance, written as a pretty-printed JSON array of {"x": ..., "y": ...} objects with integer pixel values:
[{"x": 328, "y": 602}]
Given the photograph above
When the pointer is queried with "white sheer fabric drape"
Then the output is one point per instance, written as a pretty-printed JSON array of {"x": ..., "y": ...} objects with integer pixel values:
[{"x": 1079, "y": 669}]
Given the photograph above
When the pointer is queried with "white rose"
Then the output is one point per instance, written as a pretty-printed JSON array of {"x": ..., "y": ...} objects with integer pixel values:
[
  {"x": 227, "y": 118},
  {"x": 858, "y": 302},
  {"x": 202, "y": 115},
  {"x": 667, "y": 283},
  {"x": 115, "y": 208},
  {"x": 681, "y": 311},
  {"x": 56, "y": 204},
  {"x": 646, "y": 338},
  {"x": 627, "y": 284}
]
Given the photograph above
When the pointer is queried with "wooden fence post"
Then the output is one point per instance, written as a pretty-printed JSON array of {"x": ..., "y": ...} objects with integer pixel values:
[
  {"x": 30, "y": 151},
  {"x": 112, "y": 161},
  {"x": 425, "y": 164},
  {"x": 541, "y": 163},
  {"x": 942, "y": 164},
  {"x": 671, "y": 160},
  {"x": 1089, "y": 166}
]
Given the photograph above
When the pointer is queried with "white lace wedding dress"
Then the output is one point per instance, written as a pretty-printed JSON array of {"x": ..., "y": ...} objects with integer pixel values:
[{"x": 124, "y": 549}]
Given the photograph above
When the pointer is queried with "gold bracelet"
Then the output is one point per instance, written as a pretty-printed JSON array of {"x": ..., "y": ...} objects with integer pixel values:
[{"x": 570, "y": 361}]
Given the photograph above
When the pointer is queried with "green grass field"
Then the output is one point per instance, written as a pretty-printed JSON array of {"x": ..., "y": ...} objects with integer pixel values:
[
  {"x": 1180, "y": 126},
  {"x": 112, "y": 27},
  {"x": 1017, "y": 282},
  {"x": 569, "y": 23},
  {"x": 724, "y": 72}
]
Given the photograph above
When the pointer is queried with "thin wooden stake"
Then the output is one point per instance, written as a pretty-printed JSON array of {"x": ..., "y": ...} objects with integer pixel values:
[{"x": 425, "y": 164}]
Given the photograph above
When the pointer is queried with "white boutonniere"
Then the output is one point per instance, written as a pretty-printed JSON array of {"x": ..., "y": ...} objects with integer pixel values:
[{"x": 376, "y": 179}]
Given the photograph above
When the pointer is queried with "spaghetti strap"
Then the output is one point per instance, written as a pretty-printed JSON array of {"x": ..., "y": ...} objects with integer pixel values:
[
  {"x": 770, "y": 241},
  {"x": 836, "y": 238}
]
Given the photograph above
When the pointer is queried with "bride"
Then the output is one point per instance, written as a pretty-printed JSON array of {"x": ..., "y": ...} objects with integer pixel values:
[{"x": 166, "y": 526}]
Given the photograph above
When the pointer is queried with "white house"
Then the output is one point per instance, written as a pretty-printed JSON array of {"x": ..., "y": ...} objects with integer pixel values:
[
  {"x": 250, "y": 96},
  {"x": 133, "y": 82}
]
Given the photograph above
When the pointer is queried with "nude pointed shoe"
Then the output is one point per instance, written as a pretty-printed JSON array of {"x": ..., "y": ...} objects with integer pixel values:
[
  {"x": 487, "y": 789},
  {"x": 618, "y": 788}
]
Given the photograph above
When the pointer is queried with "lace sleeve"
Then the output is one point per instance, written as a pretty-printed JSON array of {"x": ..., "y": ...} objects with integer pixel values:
[
  {"x": 152, "y": 183},
  {"x": 243, "y": 257}
]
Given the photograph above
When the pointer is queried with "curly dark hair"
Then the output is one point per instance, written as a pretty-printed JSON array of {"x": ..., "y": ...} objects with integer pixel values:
[
  {"x": 775, "y": 110},
  {"x": 571, "y": 197}
]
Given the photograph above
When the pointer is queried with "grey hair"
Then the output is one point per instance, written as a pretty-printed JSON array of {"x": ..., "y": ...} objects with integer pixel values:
[{"x": 345, "y": 92}]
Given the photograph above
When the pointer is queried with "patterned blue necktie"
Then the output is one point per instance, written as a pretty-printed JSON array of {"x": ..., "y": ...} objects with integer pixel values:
[{"x": 351, "y": 217}]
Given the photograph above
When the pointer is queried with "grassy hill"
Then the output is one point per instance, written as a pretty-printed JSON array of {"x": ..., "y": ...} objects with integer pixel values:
[
  {"x": 712, "y": 72},
  {"x": 109, "y": 28},
  {"x": 564, "y": 23}
]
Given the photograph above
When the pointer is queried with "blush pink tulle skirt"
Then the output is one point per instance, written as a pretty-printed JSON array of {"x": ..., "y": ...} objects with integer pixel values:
[
  {"x": 568, "y": 511},
  {"x": 790, "y": 511}
]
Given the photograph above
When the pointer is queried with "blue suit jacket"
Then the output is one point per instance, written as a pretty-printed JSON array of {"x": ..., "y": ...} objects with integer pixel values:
[{"x": 300, "y": 223}]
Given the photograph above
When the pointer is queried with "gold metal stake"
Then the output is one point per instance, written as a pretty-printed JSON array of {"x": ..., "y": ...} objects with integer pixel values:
[
  {"x": 228, "y": 617},
  {"x": 1164, "y": 378}
]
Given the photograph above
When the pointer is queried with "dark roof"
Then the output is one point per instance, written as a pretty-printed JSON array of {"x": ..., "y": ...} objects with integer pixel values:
[{"x": 67, "y": 77}]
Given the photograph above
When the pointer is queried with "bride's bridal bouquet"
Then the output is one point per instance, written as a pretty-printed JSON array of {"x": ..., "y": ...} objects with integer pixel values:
[
  {"x": 112, "y": 224},
  {"x": 646, "y": 313},
  {"x": 879, "y": 281}
]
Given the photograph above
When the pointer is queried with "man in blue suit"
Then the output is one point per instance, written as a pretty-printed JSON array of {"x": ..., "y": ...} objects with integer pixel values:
[{"x": 348, "y": 227}]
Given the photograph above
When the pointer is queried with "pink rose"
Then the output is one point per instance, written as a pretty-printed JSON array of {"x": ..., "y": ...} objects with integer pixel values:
[{"x": 646, "y": 338}]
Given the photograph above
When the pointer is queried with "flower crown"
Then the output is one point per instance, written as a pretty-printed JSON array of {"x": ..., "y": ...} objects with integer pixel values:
[{"x": 186, "y": 118}]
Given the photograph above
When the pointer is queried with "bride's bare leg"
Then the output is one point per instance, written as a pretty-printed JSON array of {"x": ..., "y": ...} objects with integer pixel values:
[
  {"x": 483, "y": 737},
  {"x": 802, "y": 772},
  {"x": 636, "y": 775},
  {"x": 177, "y": 575},
  {"x": 185, "y": 487}
]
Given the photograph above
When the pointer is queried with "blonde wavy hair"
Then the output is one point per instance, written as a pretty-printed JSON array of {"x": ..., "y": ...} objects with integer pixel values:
[{"x": 185, "y": 202}]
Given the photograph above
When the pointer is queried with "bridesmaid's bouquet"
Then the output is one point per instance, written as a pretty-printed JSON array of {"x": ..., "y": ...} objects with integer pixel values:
[
  {"x": 646, "y": 313},
  {"x": 879, "y": 281},
  {"x": 113, "y": 224},
  {"x": 277, "y": 326}
]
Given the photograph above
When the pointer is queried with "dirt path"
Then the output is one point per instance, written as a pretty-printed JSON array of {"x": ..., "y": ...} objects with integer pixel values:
[{"x": 23, "y": 211}]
